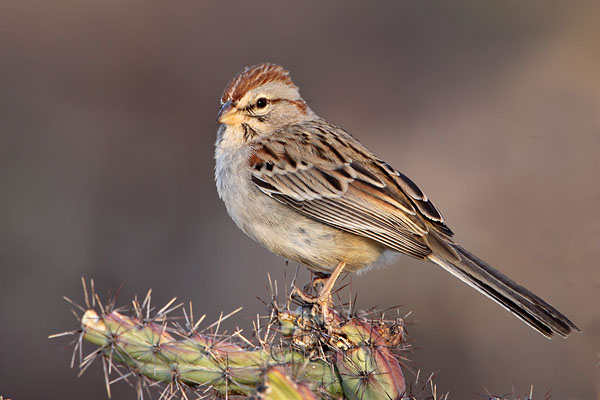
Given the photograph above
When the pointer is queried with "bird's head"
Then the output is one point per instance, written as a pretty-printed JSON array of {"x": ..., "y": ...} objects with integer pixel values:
[{"x": 260, "y": 100}]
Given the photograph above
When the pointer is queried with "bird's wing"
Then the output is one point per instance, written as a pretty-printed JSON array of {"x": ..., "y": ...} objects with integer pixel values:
[{"x": 322, "y": 172}]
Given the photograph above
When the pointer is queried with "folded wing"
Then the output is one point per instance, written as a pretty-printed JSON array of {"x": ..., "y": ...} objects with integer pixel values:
[{"x": 333, "y": 179}]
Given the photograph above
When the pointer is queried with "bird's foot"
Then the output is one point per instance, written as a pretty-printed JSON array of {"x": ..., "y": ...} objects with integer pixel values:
[
  {"x": 319, "y": 279},
  {"x": 323, "y": 300}
]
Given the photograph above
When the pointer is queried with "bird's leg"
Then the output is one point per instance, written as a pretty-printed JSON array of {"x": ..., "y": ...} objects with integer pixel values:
[
  {"x": 323, "y": 299},
  {"x": 319, "y": 279}
]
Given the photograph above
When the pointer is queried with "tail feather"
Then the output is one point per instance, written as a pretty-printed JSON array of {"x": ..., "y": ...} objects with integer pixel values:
[{"x": 534, "y": 311}]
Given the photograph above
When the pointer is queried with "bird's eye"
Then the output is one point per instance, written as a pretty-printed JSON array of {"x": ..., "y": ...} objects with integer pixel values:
[{"x": 261, "y": 103}]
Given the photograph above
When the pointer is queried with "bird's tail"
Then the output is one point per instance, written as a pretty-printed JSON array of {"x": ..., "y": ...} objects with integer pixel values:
[{"x": 534, "y": 311}]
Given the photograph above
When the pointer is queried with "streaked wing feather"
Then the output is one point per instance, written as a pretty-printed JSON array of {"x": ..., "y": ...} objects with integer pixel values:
[
  {"x": 347, "y": 188},
  {"x": 424, "y": 205},
  {"x": 337, "y": 214}
]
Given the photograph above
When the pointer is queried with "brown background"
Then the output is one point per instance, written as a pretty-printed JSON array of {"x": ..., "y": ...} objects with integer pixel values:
[{"x": 107, "y": 127}]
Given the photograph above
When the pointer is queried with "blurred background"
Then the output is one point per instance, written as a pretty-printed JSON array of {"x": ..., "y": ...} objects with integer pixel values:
[{"x": 107, "y": 126}]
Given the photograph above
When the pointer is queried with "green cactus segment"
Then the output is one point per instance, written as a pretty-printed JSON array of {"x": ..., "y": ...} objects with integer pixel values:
[
  {"x": 348, "y": 358},
  {"x": 198, "y": 360},
  {"x": 279, "y": 385},
  {"x": 369, "y": 369}
]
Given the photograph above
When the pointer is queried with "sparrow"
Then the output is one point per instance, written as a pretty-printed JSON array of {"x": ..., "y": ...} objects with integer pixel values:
[{"x": 310, "y": 192}]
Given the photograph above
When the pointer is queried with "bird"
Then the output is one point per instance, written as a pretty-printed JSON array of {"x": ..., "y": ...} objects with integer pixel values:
[{"x": 307, "y": 190}]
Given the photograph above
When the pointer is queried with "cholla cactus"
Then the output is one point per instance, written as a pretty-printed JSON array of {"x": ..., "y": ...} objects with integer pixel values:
[{"x": 293, "y": 356}]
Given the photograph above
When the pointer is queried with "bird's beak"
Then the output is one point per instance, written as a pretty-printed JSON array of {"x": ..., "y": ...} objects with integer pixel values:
[{"x": 229, "y": 115}]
